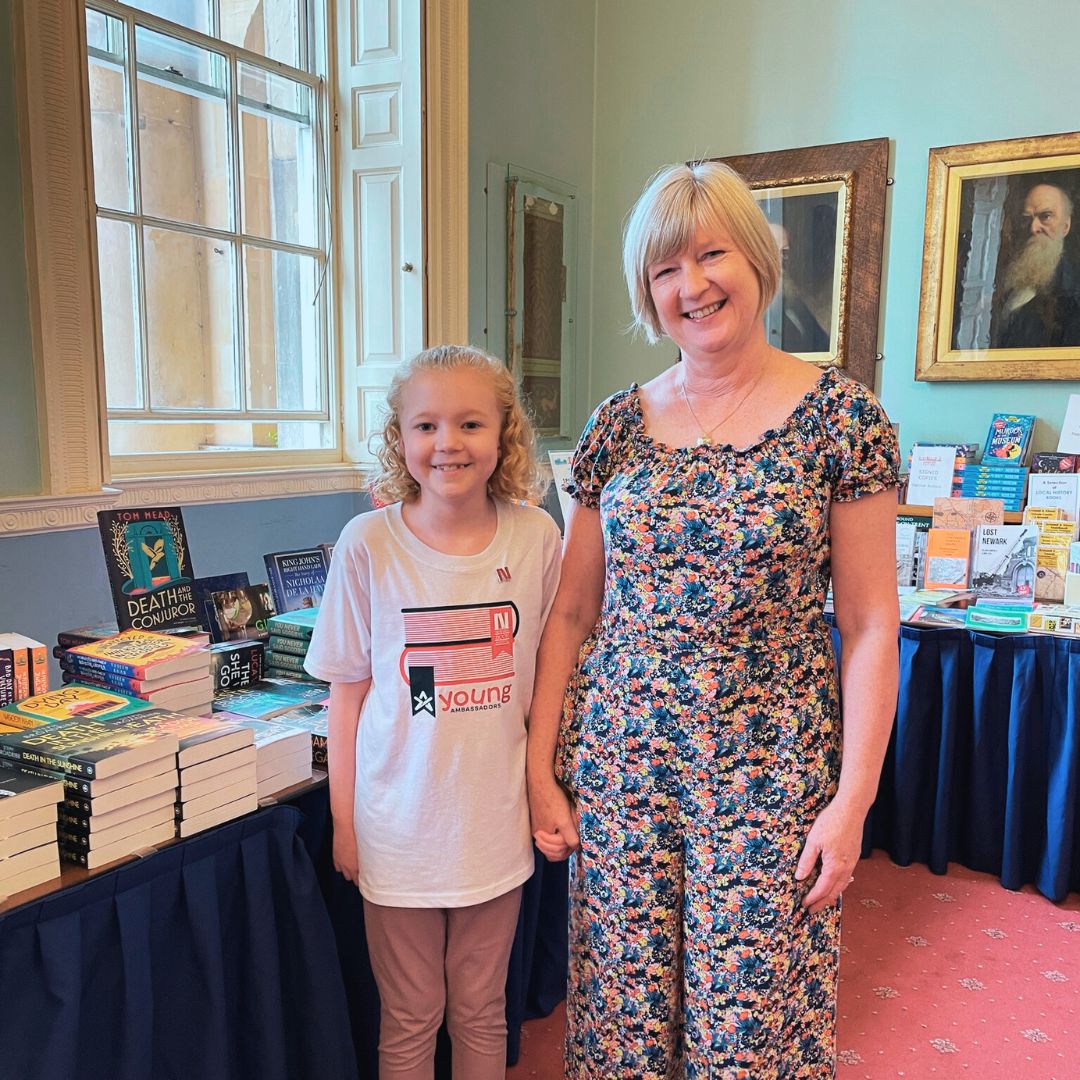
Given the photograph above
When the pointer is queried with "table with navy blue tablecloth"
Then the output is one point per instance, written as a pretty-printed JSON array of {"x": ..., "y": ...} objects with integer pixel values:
[
  {"x": 240, "y": 953},
  {"x": 235, "y": 954},
  {"x": 983, "y": 766}
]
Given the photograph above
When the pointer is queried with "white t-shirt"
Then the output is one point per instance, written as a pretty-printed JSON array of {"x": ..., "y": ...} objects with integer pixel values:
[{"x": 449, "y": 642}]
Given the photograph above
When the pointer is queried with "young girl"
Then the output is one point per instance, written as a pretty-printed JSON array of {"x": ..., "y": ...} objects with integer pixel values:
[{"x": 427, "y": 634}]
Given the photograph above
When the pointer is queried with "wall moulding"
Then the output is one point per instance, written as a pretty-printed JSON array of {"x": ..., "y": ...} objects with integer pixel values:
[{"x": 50, "y": 513}]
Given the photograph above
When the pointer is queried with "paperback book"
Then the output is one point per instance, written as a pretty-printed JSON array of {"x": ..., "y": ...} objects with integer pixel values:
[
  {"x": 138, "y": 654},
  {"x": 1009, "y": 437},
  {"x": 149, "y": 565},
  {"x": 1003, "y": 561},
  {"x": 947, "y": 558},
  {"x": 22, "y": 792},
  {"x": 294, "y": 624},
  {"x": 90, "y": 749},
  {"x": 75, "y": 701}
]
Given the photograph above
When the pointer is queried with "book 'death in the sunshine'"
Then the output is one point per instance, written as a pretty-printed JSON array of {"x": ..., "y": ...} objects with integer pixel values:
[{"x": 149, "y": 564}]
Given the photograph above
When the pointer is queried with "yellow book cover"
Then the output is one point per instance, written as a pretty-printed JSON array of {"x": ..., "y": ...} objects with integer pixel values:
[{"x": 69, "y": 703}]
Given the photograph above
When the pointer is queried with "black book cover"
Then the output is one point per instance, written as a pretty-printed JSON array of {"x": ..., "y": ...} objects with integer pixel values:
[{"x": 149, "y": 564}]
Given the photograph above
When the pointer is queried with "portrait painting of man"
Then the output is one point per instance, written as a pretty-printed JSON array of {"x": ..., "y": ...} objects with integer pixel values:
[
  {"x": 1018, "y": 262},
  {"x": 806, "y": 222}
]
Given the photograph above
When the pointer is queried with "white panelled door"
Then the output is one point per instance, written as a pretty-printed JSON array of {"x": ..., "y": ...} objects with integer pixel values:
[{"x": 381, "y": 257}]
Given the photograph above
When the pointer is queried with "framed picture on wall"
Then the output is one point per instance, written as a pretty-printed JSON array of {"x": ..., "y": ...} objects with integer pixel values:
[
  {"x": 1001, "y": 261},
  {"x": 826, "y": 208}
]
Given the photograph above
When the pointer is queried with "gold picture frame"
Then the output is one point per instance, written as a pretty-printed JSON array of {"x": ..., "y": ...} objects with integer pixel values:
[
  {"x": 827, "y": 206},
  {"x": 1000, "y": 294}
]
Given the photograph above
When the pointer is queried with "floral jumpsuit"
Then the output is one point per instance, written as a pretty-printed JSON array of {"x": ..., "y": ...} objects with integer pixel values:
[{"x": 701, "y": 739}]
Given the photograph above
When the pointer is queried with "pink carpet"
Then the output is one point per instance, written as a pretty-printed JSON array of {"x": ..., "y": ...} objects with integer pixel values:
[{"x": 940, "y": 977}]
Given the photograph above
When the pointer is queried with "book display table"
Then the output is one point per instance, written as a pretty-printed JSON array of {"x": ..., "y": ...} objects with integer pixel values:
[
  {"x": 983, "y": 767},
  {"x": 233, "y": 954}
]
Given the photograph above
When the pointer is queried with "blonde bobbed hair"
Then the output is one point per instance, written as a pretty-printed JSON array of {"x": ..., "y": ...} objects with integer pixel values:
[
  {"x": 677, "y": 202},
  {"x": 517, "y": 475}
]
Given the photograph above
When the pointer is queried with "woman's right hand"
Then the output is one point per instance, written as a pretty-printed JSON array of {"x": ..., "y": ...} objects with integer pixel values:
[
  {"x": 346, "y": 861},
  {"x": 554, "y": 820}
]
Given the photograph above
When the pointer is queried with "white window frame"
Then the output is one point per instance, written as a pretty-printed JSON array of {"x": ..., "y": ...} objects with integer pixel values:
[
  {"x": 139, "y": 466},
  {"x": 54, "y": 139}
]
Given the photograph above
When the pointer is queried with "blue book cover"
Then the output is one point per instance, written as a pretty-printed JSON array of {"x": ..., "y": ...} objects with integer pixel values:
[
  {"x": 297, "y": 578},
  {"x": 1009, "y": 438}
]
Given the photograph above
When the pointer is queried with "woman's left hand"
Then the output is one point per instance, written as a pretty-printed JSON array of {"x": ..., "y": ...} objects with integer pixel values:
[{"x": 834, "y": 841}]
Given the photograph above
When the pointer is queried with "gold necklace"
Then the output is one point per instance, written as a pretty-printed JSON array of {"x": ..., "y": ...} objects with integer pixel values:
[{"x": 705, "y": 438}]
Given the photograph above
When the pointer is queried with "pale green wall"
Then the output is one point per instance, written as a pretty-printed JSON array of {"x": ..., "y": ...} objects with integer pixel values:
[
  {"x": 703, "y": 77},
  {"x": 21, "y": 472},
  {"x": 531, "y": 85}
]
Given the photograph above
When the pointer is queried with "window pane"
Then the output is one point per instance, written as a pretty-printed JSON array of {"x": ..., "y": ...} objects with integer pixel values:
[
  {"x": 119, "y": 307},
  {"x": 97, "y": 30},
  {"x": 194, "y": 14},
  {"x": 143, "y": 437},
  {"x": 183, "y": 131},
  {"x": 271, "y": 28},
  {"x": 277, "y": 150},
  {"x": 282, "y": 326},
  {"x": 110, "y": 134},
  {"x": 190, "y": 305}
]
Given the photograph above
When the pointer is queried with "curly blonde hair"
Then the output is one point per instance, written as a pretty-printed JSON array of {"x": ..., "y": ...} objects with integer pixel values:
[{"x": 517, "y": 475}]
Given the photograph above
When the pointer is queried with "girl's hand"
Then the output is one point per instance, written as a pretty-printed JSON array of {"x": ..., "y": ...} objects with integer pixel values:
[
  {"x": 836, "y": 841},
  {"x": 554, "y": 820},
  {"x": 346, "y": 861}
]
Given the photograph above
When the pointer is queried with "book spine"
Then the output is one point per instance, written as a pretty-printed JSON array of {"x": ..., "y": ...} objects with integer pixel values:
[
  {"x": 70, "y": 855},
  {"x": 7, "y": 677},
  {"x": 21, "y": 672},
  {"x": 73, "y": 785},
  {"x": 276, "y": 582},
  {"x": 104, "y": 680},
  {"x": 41, "y": 759},
  {"x": 290, "y": 673},
  {"x": 289, "y": 630},
  {"x": 282, "y": 644},
  {"x": 318, "y": 750},
  {"x": 90, "y": 665},
  {"x": 39, "y": 669},
  {"x": 80, "y": 807},
  {"x": 72, "y": 838},
  {"x": 289, "y": 661}
]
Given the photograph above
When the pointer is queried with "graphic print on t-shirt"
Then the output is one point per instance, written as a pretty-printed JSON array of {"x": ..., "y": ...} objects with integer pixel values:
[{"x": 460, "y": 658}]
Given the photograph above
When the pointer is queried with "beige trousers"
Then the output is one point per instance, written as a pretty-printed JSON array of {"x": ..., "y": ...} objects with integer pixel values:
[{"x": 434, "y": 961}]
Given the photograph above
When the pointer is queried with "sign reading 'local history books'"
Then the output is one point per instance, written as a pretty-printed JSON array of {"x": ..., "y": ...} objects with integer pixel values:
[{"x": 149, "y": 564}]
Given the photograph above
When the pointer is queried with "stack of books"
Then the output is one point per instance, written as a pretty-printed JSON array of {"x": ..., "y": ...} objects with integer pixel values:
[
  {"x": 282, "y": 754},
  {"x": 215, "y": 768},
  {"x": 111, "y": 776},
  {"x": 166, "y": 670},
  {"x": 29, "y": 854},
  {"x": 313, "y": 719},
  {"x": 290, "y": 636},
  {"x": 24, "y": 668},
  {"x": 997, "y": 480}
]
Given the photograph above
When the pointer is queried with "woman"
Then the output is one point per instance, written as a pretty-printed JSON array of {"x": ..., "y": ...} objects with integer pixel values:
[{"x": 714, "y": 824}]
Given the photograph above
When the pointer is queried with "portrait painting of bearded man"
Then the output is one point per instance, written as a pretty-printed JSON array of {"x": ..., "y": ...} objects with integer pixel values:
[{"x": 1018, "y": 262}]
